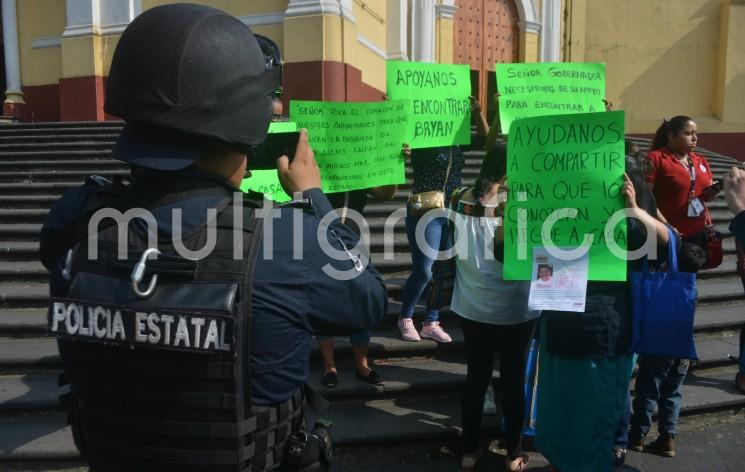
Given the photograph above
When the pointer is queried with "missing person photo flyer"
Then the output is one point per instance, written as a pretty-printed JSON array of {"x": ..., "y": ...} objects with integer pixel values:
[{"x": 558, "y": 283}]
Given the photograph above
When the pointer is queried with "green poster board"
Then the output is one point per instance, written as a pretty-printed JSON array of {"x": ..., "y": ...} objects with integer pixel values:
[
  {"x": 539, "y": 89},
  {"x": 565, "y": 161},
  {"x": 441, "y": 110},
  {"x": 357, "y": 145},
  {"x": 267, "y": 181}
]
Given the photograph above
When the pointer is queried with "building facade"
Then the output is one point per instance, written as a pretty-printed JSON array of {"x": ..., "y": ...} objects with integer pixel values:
[{"x": 663, "y": 58}]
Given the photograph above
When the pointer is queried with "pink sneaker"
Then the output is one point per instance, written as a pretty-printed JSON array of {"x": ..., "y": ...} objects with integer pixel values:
[
  {"x": 408, "y": 331},
  {"x": 433, "y": 330}
]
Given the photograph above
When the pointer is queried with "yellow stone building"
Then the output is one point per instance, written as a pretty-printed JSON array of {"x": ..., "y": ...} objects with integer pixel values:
[{"x": 663, "y": 57}]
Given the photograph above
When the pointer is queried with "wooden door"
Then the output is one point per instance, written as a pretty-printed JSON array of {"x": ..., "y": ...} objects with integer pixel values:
[{"x": 486, "y": 32}]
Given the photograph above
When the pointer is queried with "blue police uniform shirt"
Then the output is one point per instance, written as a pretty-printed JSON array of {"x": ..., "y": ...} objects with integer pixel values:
[
  {"x": 63, "y": 212},
  {"x": 291, "y": 299}
]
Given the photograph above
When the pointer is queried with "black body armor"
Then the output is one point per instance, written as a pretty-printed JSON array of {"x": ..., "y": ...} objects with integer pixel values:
[{"x": 157, "y": 349}]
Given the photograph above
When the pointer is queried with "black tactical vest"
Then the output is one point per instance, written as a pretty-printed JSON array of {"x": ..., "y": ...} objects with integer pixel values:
[{"x": 160, "y": 366}]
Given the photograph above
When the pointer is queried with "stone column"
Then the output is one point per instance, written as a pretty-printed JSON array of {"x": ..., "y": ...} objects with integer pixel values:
[
  {"x": 13, "y": 94},
  {"x": 423, "y": 31},
  {"x": 551, "y": 33}
]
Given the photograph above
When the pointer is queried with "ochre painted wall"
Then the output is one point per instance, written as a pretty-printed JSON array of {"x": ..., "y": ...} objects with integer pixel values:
[
  {"x": 444, "y": 42},
  {"x": 234, "y": 7},
  {"x": 371, "y": 27},
  {"x": 37, "y": 19},
  {"x": 663, "y": 58}
]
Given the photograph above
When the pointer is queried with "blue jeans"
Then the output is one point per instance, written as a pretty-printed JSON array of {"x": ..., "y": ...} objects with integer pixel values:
[
  {"x": 622, "y": 433},
  {"x": 436, "y": 235},
  {"x": 659, "y": 382},
  {"x": 359, "y": 339}
]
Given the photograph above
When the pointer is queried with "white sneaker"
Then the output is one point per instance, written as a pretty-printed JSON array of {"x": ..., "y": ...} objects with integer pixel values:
[{"x": 490, "y": 407}]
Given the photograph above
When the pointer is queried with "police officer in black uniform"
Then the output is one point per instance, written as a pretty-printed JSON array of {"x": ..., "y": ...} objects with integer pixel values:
[{"x": 186, "y": 330}]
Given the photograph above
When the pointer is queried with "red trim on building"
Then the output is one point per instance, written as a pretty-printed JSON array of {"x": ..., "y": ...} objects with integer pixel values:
[
  {"x": 81, "y": 98},
  {"x": 328, "y": 81},
  {"x": 726, "y": 144},
  {"x": 42, "y": 103}
]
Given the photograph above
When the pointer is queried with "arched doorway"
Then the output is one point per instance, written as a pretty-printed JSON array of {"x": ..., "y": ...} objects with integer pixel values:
[{"x": 486, "y": 32}]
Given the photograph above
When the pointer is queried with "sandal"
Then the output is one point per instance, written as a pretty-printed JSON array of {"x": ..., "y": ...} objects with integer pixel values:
[
  {"x": 517, "y": 463},
  {"x": 330, "y": 379}
]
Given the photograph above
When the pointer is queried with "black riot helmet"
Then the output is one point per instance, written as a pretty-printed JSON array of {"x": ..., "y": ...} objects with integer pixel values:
[{"x": 191, "y": 70}]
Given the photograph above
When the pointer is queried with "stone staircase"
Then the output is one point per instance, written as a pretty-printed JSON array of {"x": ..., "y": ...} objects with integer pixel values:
[{"x": 419, "y": 400}]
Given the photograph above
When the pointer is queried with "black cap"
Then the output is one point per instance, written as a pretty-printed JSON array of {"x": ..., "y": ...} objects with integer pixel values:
[
  {"x": 272, "y": 54},
  {"x": 192, "y": 69}
]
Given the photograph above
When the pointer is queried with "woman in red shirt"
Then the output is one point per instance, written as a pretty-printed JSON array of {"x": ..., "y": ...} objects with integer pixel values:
[
  {"x": 679, "y": 177},
  {"x": 681, "y": 182}
]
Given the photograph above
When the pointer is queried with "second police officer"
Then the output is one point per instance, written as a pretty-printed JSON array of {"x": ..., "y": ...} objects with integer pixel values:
[{"x": 186, "y": 331}]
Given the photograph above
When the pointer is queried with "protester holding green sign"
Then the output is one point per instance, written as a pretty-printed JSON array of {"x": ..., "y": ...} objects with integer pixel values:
[
  {"x": 440, "y": 108},
  {"x": 350, "y": 206},
  {"x": 437, "y": 174},
  {"x": 564, "y": 161},
  {"x": 357, "y": 145},
  {"x": 539, "y": 89},
  {"x": 585, "y": 367}
]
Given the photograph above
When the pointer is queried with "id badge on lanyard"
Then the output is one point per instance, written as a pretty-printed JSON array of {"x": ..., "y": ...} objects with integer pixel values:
[{"x": 695, "y": 205}]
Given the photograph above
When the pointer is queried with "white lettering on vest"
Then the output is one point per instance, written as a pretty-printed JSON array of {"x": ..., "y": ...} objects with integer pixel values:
[
  {"x": 154, "y": 336},
  {"x": 118, "y": 326},
  {"x": 197, "y": 323},
  {"x": 73, "y": 311},
  {"x": 223, "y": 345},
  {"x": 140, "y": 335},
  {"x": 211, "y": 336},
  {"x": 59, "y": 315},
  {"x": 168, "y": 321},
  {"x": 97, "y": 314},
  {"x": 182, "y": 333}
]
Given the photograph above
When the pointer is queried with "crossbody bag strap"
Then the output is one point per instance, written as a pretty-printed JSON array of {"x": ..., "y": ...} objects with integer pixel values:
[
  {"x": 454, "y": 204},
  {"x": 447, "y": 172}
]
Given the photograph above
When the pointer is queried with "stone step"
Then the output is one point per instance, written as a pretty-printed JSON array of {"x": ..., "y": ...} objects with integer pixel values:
[
  {"x": 23, "y": 321},
  {"x": 713, "y": 290},
  {"x": 64, "y": 126},
  {"x": 377, "y": 422},
  {"x": 26, "y": 271},
  {"x": 25, "y": 215},
  {"x": 19, "y": 232},
  {"x": 39, "y": 188},
  {"x": 36, "y": 437},
  {"x": 55, "y": 146},
  {"x": 30, "y": 138},
  {"x": 54, "y": 154},
  {"x": 83, "y": 166},
  {"x": 23, "y": 295},
  {"x": 27, "y": 354},
  {"x": 36, "y": 202},
  {"x": 19, "y": 251},
  {"x": 28, "y": 392},
  {"x": 52, "y": 175}
]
